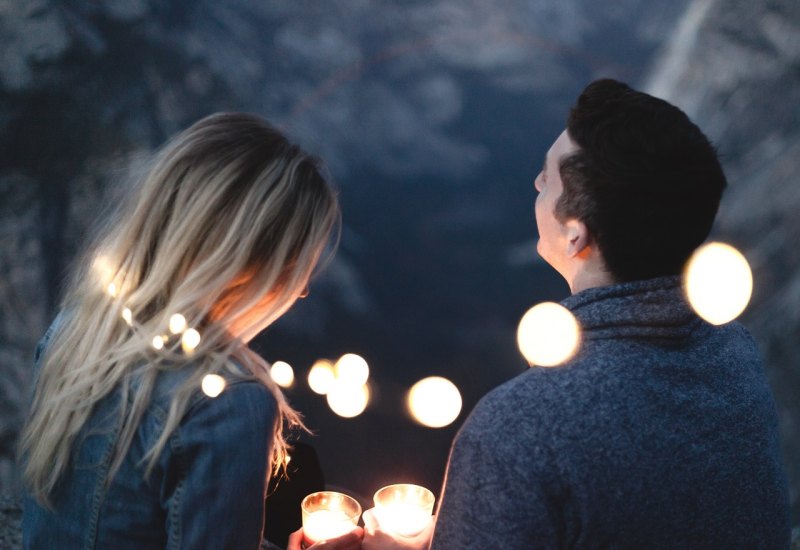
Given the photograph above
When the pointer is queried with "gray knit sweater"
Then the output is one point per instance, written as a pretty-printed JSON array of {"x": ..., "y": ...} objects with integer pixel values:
[{"x": 660, "y": 433}]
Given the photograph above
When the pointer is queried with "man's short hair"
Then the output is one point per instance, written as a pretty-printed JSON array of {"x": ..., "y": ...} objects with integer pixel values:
[{"x": 645, "y": 180}]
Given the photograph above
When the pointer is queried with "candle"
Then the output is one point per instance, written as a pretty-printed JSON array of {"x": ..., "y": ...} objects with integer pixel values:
[
  {"x": 404, "y": 509},
  {"x": 328, "y": 515}
]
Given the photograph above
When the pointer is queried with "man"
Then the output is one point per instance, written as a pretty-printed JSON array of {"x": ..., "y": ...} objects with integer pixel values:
[{"x": 661, "y": 432}]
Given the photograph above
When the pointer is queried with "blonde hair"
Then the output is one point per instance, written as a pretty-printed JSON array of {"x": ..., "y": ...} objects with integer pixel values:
[{"x": 225, "y": 229}]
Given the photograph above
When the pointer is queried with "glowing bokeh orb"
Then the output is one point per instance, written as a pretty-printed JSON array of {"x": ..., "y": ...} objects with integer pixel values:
[
  {"x": 434, "y": 402},
  {"x": 177, "y": 323},
  {"x": 282, "y": 373},
  {"x": 352, "y": 369},
  {"x": 718, "y": 282},
  {"x": 212, "y": 385},
  {"x": 127, "y": 314},
  {"x": 158, "y": 342},
  {"x": 548, "y": 335},
  {"x": 112, "y": 290},
  {"x": 190, "y": 340},
  {"x": 321, "y": 377},
  {"x": 347, "y": 400}
]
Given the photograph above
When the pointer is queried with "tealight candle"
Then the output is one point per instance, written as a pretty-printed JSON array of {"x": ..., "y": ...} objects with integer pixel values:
[
  {"x": 328, "y": 515},
  {"x": 404, "y": 509}
]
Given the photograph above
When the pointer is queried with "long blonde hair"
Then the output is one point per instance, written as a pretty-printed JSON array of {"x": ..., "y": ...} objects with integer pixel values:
[{"x": 225, "y": 229}]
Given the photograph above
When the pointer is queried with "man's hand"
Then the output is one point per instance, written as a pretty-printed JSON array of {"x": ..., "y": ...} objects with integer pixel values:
[
  {"x": 375, "y": 539},
  {"x": 350, "y": 541}
]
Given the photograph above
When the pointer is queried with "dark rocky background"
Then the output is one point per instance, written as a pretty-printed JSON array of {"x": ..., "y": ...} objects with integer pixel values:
[{"x": 433, "y": 117}]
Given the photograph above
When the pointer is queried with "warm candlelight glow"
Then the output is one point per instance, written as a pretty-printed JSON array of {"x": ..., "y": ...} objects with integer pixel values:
[
  {"x": 434, "y": 402},
  {"x": 404, "y": 509},
  {"x": 321, "y": 377},
  {"x": 328, "y": 515},
  {"x": 718, "y": 282},
  {"x": 352, "y": 369},
  {"x": 212, "y": 385},
  {"x": 348, "y": 400},
  {"x": 177, "y": 323},
  {"x": 282, "y": 373},
  {"x": 190, "y": 340},
  {"x": 548, "y": 335}
]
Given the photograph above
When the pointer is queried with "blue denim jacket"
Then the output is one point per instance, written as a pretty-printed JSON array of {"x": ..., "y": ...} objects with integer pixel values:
[{"x": 206, "y": 491}]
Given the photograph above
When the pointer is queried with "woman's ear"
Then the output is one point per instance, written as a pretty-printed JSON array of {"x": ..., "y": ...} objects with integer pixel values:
[{"x": 578, "y": 238}]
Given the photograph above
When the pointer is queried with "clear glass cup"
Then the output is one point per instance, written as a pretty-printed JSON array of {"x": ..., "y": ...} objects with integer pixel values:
[
  {"x": 403, "y": 509},
  {"x": 328, "y": 515}
]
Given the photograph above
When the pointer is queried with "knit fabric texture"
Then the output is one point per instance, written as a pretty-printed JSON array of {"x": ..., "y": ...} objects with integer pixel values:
[{"x": 660, "y": 433}]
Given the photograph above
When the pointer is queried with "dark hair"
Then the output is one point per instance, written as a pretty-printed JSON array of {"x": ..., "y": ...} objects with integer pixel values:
[{"x": 645, "y": 180}]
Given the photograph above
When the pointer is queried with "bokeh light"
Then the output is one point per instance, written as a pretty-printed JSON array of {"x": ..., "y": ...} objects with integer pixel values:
[
  {"x": 190, "y": 340},
  {"x": 177, "y": 323},
  {"x": 434, "y": 402},
  {"x": 158, "y": 342},
  {"x": 212, "y": 385},
  {"x": 348, "y": 400},
  {"x": 282, "y": 373},
  {"x": 127, "y": 314},
  {"x": 321, "y": 376},
  {"x": 548, "y": 335},
  {"x": 718, "y": 282},
  {"x": 352, "y": 369}
]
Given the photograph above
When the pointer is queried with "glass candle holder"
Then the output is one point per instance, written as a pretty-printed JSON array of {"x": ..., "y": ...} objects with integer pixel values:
[
  {"x": 404, "y": 509},
  {"x": 328, "y": 515}
]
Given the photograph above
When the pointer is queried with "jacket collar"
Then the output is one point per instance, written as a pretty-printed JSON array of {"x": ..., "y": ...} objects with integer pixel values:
[{"x": 649, "y": 309}]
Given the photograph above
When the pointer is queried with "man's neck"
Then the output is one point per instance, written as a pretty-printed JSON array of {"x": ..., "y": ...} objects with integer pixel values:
[{"x": 584, "y": 279}]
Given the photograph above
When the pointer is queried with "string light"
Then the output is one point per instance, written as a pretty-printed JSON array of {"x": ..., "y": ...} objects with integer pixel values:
[
  {"x": 718, "y": 282},
  {"x": 190, "y": 340},
  {"x": 127, "y": 315},
  {"x": 177, "y": 323},
  {"x": 352, "y": 369},
  {"x": 158, "y": 342},
  {"x": 282, "y": 373},
  {"x": 434, "y": 402},
  {"x": 548, "y": 335},
  {"x": 348, "y": 400},
  {"x": 321, "y": 376},
  {"x": 212, "y": 385}
]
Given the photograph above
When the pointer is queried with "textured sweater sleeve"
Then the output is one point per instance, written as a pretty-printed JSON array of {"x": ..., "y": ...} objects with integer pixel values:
[{"x": 496, "y": 495}]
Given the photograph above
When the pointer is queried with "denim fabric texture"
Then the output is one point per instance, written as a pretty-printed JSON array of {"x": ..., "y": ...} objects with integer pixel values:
[{"x": 206, "y": 491}]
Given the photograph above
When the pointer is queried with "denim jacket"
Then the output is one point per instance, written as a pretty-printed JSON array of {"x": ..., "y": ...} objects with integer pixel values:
[{"x": 206, "y": 491}]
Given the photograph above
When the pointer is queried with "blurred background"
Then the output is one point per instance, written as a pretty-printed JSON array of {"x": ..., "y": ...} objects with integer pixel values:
[{"x": 433, "y": 117}]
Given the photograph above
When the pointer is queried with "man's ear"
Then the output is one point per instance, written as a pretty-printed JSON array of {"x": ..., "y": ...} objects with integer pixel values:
[{"x": 578, "y": 238}]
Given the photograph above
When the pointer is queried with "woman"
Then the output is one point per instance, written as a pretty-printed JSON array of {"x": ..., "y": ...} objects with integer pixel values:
[{"x": 122, "y": 449}]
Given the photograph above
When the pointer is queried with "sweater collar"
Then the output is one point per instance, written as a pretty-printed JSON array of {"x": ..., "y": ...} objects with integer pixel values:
[{"x": 653, "y": 308}]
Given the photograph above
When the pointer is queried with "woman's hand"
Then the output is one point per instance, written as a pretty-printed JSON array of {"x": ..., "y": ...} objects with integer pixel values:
[
  {"x": 376, "y": 539},
  {"x": 350, "y": 541}
]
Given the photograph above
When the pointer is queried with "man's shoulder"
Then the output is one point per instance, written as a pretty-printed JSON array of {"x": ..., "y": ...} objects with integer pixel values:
[{"x": 531, "y": 401}]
